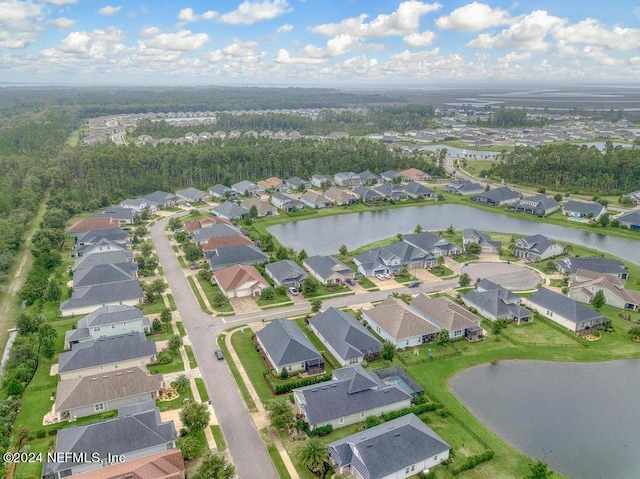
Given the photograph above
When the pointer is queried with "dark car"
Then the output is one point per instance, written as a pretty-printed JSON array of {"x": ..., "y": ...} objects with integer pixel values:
[
  {"x": 195, "y": 266},
  {"x": 219, "y": 355},
  {"x": 350, "y": 281},
  {"x": 413, "y": 284}
]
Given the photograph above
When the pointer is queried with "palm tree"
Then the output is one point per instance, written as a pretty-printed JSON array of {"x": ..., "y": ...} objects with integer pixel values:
[
  {"x": 181, "y": 382},
  {"x": 313, "y": 455},
  {"x": 634, "y": 333}
]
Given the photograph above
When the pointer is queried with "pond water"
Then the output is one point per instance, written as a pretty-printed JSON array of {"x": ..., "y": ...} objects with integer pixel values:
[
  {"x": 581, "y": 419},
  {"x": 325, "y": 235}
]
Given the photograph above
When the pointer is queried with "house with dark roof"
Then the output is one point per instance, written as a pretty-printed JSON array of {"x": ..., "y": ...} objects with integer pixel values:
[
  {"x": 635, "y": 196},
  {"x": 392, "y": 191},
  {"x": 321, "y": 181},
  {"x": 369, "y": 195},
  {"x": 346, "y": 338},
  {"x": 222, "y": 192},
  {"x": 328, "y": 269},
  {"x": 103, "y": 274},
  {"x": 631, "y": 220},
  {"x": 537, "y": 248},
  {"x": 240, "y": 280},
  {"x": 230, "y": 211},
  {"x": 162, "y": 199},
  {"x": 106, "y": 354},
  {"x": 238, "y": 254},
  {"x": 400, "y": 448},
  {"x": 579, "y": 209},
  {"x": 496, "y": 303},
  {"x": 137, "y": 432},
  {"x": 262, "y": 207},
  {"x": 586, "y": 285},
  {"x": 85, "y": 396},
  {"x": 416, "y": 190},
  {"x": 399, "y": 324},
  {"x": 201, "y": 235},
  {"x": 566, "y": 312},
  {"x": 340, "y": 197},
  {"x": 446, "y": 314},
  {"x": 285, "y": 346},
  {"x": 346, "y": 178},
  {"x": 389, "y": 175},
  {"x": 285, "y": 203},
  {"x": 487, "y": 245},
  {"x": 369, "y": 178},
  {"x": 106, "y": 321},
  {"x": 612, "y": 267},
  {"x": 125, "y": 216},
  {"x": 285, "y": 273},
  {"x": 538, "y": 205},
  {"x": 497, "y": 197},
  {"x": 88, "y": 298},
  {"x": 464, "y": 188},
  {"x": 315, "y": 200},
  {"x": 193, "y": 195},
  {"x": 351, "y": 396},
  {"x": 247, "y": 188},
  {"x": 295, "y": 183},
  {"x": 103, "y": 240},
  {"x": 104, "y": 254},
  {"x": 432, "y": 244},
  {"x": 392, "y": 258}
]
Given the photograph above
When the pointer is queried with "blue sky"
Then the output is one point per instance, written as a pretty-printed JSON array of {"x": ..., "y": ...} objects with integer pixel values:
[{"x": 318, "y": 42}]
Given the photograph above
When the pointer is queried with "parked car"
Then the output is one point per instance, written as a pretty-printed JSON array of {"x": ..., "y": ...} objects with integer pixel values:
[
  {"x": 194, "y": 266},
  {"x": 380, "y": 277},
  {"x": 350, "y": 281},
  {"x": 413, "y": 284},
  {"x": 293, "y": 290},
  {"x": 219, "y": 355},
  {"x": 386, "y": 275}
]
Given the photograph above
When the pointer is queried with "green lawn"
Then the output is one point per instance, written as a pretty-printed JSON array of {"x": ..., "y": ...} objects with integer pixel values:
[
  {"x": 174, "y": 366},
  {"x": 34, "y": 469},
  {"x": 248, "y": 400},
  {"x": 537, "y": 332},
  {"x": 219, "y": 438},
  {"x": 367, "y": 284},
  {"x": 329, "y": 290},
  {"x": 441, "y": 271},
  {"x": 154, "y": 308},
  {"x": 177, "y": 402},
  {"x": 322, "y": 349},
  {"x": 181, "y": 329},
  {"x": 272, "y": 450},
  {"x": 192, "y": 359},
  {"x": 279, "y": 300},
  {"x": 202, "y": 389},
  {"x": 196, "y": 293},
  {"x": 210, "y": 291},
  {"x": 172, "y": 303},
  {"x": 405, "y": 278},
  {"x": 252, "y": 362}
]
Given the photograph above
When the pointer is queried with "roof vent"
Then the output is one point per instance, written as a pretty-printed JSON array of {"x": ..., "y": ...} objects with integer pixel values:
[{"x": 396, "y": 434}]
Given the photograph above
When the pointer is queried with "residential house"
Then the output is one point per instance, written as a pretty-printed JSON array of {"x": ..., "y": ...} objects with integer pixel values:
[
  {"x": 262, "y": 207},
  {"x": 368, "y": 195},
  {"x": 538, "y": 205},
  {"x": 124, "y": 216},
  {"x": 351, "y": 396},
  {"x": 315, "y": 200},
  {"x": 630, "y": 220},
  {"x": 497, "y": 197},
  {"x": 92, "y": 224},
  {"x": 399, "y": 324},
  {"x": 432, "y": 244},
  {"x": 247, "y": 188},
  {"x": 392, "y": 191},
  {"x": 413, "y": 174},
  {"x": 496, "y": 303},
  {"x": 240, "y": 280},
  {"x": 285, "y": 273},
  {"x": 389, "y": 175},
  {"x": 322, "y": 181},
  {"x": 635, "y": 196},
  {"x": 138, "y": 205},
  {"x": 296, "y": 183},
  {"x": 612, "y": 267},
  {"x": 106, "y": 321},
  {"x": 285, "y": 346},
  {"x": 586, "y": 284},
  {"x": 214, "y": 231},
  {"x": 537, "y": 248},
  {"x": 190, "y": 227},
  {"x": 88, "y": 298},
  {"x": 348, "y": 340},
  {"x": 85, "y": 396},
  {"x": 274, "y": 184},
  {"x": 214, "y": 243},
  {"x": 222, "y": 192},
  {"x": 566, "y": 312},
  {"x": 230, "y": 211},
  {"x": 392, "y": 258},
  {"x": 346, "y": 178},
  {"x": 103, "y": 274},
  {"x": 99, "y": 356},
  {"x": 580, "y": 209},
  {"x": 328, "y": 269},
  {"x": 137, "y": 432},
  {"x": 398, "y": 449},
  {"x": 369, "y": 178},
  {"x": 464, "y": 188},
  {"x": 416, "y": 190},
  {"x": 238, "y": 254},
  {"x": 193, "y": 195},
  {"x": 285, "y": 203},
  {"x": 487, "y": 245},
  {"x": 340, "y": 197},
  {"x": 162, "y": 199},
  {"x": 112, "y": 238},
  {"x": 166, "y": 465},
  {"x": 100, "y": 254},
  {"x": 446, "y": 314}
]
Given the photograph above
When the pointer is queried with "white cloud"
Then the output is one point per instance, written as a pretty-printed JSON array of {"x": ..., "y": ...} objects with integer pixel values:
[
  {"x": 591, "y": 31},
  {"x": 182, "y": 40},
  {"x": 149, "y": 31},
  {"x": 109, "y": 10},
  {"x": 12, "y": 10},
  {"x": 284, "y": 28},
  {"x": 599, "y": 55},
  {"x": 187, "y": 15},
  {"x": 473, "y": 17},
  {"x": 337, "y": 46},
  {"x": 96, "y": 44},
  {"x": 63, "y": 23},
  {"x": 420, "y": 39},
  {"x": 528, "y": 33},
  {"x": 284, "y": 57},
  {"x": 514, "y": 57},
  {"x": 249, "y": 12}
]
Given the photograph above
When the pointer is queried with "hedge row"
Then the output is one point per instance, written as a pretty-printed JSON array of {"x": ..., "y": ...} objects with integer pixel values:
[
  {"x": 408, "y": 410},
  {"x": 283, "y": 388},
  {"x": 321, "y": 431},
  {"x": 474, "y": 461}
]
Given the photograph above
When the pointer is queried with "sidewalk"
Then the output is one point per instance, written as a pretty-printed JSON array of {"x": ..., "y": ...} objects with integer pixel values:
[{"x": 260, "y": 417}]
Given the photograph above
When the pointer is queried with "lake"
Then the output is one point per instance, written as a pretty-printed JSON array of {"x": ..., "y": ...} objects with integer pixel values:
[
  {"x": 581, "y": 419},
  {"x": 325, "y": 235}
]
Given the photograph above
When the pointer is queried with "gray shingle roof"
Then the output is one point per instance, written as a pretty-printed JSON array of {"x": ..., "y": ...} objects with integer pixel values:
[
  {"x": 230, "y": 255},
  {"x": 215, "y": 231},
  {"x": 352, "y": 390},
  {"x": 344, "y": 334},
  {"x": 631, "y": 217},
  {"x": 498, "y": 195},
  {"x": 118, "y": 212},
  {"x": 389, "y": 447},
  {"x": 116, "y": 257},
  {"x": 161, "y": 197},
  {"x": 286, "y": 271},
  {"x": 115, "y": 235},
  {"x": 564, "y": 306},
  {"x": 418, "y": 189},
  {"x": 218, "y": 190},
  {"x": 325, "y": 266},
  {"x": 105, "y": 315},
  {"x": 536, "y": 244},
  {"x": 286, "y": 343},
  {"x": 599, "y": 265},
  {"x": 100, "y": 294},
  {"x": 583, "y": 208},
  {"x": 102, "y": 274},
  {"x": 191, "y": 194},
  {"x": 496, "y": 300},
  {"x": 106, "y": 351},
  {"x": 230, "y": 210},
  {"x": 429, "y": 242}
]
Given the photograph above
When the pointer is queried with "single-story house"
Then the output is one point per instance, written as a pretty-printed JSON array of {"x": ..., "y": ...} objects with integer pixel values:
[
  {"x": 125, "y": 216},
  {"x": 464, "y": 188},
  {"x": 635, "y": 196},
  {"x": 216, "y": 242},
  {"x": 392, "y": 258},
  {"x": 322, "y": 181},
  {"x": 346, "y": 178},
  {"x": 495, "y": 303},
  {"x": 392, "y": 191},
  {"x": 580, "y": 209},
  {"x": 497, "y": 197},
  {"x": 537, "y": 248},
  {"x": 285, "y": 203},
  {"x": 138, "y": 205},
  {"x": 630, "y": 219},
  {"x": 432, "y": 244},
  {"x": 369, "y": 178},
  {"x": 247, "y": 188},
  {"x": 446, "y": 314},
  {"x": 397, "y": 449},
  {"x": 193, "y": 195},
  {"x": 328, "y": 269},
  {"x": 86, "y": 299},
  {"x": 167, "y": 464},
  {"x": 90, "y": 358},
  {"x": 399, "y": 324},
  {"x": 538, "y": 205},
  {"x": 389, "y": 175},
  {"x": 348, "y": 340},
  {"x": 340, "y": 197},
  {"x": 163, "y": 199},
  {"x": 315, "y": 200},
  {"x": 351, "y": 396},
  {"x": 285, "y": 273},
  {"x": 263, "y": 208},
  {"x": 137, "y": 432},
  {"x": 240, "y": 280},
  {"x": 608, "y": 266},
  {"x": 230, "y": 211},
  {"x": 295, "y": 183},
  {"x": 416, "y": 190},
  {"x": 487, "y": 245},
  {"x": 274, "y": 184},
  {"x": 81, "y": 397},
  {"x": 369, "y": 195},
  {"x": 202, "y": 235},
  {"x": 190, "y": 227},
  {"x": 92, "y": 224},
  {"x": 222, "y": 192},
  {"x": 285, "y": 346},
  {"x": 238, "y": 254},
  {"x": 565, "y": 311},
  {"x": 587, "y": 284},
  {"x": 413, "y": 174}
]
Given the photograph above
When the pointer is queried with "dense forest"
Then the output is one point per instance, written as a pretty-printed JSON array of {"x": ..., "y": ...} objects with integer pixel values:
[{"x": 575, "y": 168}]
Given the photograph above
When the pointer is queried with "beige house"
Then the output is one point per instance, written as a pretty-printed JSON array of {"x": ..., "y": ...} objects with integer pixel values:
[
  {"x": 588, "y": 283},
  {"x": 239, "y": 281}
]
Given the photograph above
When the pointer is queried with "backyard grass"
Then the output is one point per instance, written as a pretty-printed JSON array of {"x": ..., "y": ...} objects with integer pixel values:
[
  {"x": 221, "y": 445},
  {"x": 252, "y": 363},
  {"x": 197, "y": 295},
  {"x": 248, "y": 400},
  {"x": 537, "y": 332},
  {"x": 202, "y": 389},
  {"x": 322, "y": 349},
  {"x": 192, "y": 359},
  {"x": 174, "y": 366},
  {"x": 210, "y": 291}
]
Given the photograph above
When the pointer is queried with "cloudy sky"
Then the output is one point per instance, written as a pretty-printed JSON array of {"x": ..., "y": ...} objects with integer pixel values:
[{"x": 318, "y": 41}]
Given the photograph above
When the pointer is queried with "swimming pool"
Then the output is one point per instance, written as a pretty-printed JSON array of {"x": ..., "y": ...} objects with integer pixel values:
[
  {"x": 398, "y": 381},
  {"x": 578, "y": 220}
]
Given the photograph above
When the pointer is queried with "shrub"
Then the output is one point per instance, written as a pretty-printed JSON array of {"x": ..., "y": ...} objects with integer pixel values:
[
  {"x": 408, "y": 410},
  {"x": 474, "y": 461},
  {"x": 164, "y": 358},
  {"x": 284, "y": 388},
  {"x": 372, "y": 421},
  {"x": 321, "y": 431}
]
